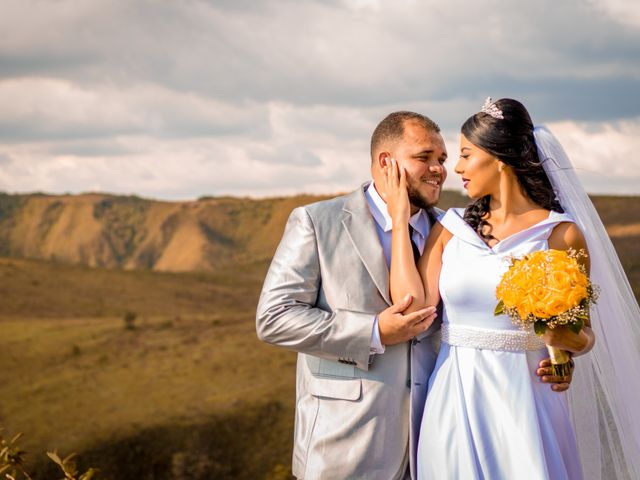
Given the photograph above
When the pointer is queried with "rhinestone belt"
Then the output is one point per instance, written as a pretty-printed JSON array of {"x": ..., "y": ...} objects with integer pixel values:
[{"x": 485, "y": 338}]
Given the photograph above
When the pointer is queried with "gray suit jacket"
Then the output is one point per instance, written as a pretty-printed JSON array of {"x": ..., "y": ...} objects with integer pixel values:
[{"x": 357, "y": 416}]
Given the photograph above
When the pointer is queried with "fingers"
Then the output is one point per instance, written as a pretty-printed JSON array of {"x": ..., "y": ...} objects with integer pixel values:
[
  {"x": 402, "y": 305},
  {"x": 423, "y": 325},
  {"x": 545, "y": 363},
  {"x": 403, "y": 177},
  {"x": 387, "y": 181},
  {"x": 420, "y": 316},
  {"x": 560, "y": 387},
  {"x": 387, "y": 172},
  {"x": 555, "y": 379},
  {"x": 394, "y": 175},
  {"x": 545, "y": 372},
  {"x": 558, "y": 383}
]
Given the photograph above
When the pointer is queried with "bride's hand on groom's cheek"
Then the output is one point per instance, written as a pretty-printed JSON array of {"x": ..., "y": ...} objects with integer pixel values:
[
  {"x": 396, "y": 194},
  {"x": 545, "y": 372}
]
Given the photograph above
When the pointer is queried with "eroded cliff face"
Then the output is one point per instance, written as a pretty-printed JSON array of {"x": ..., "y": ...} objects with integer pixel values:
[{"x": 131, "y": 232}]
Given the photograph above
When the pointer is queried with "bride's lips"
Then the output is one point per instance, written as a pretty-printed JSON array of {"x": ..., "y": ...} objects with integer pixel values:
[{"x": 465, "y": 182}]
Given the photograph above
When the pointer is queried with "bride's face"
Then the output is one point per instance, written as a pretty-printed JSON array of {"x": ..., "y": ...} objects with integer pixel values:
[{"x": 480, "y": 171}]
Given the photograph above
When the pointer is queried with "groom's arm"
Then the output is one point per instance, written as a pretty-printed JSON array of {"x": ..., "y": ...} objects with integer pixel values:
[{"x": 287, "y": 314}]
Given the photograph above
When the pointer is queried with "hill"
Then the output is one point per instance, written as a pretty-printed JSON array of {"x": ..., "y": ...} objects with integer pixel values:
[
  {"x": 129, "y": 232},
  {"x": 134, "y": 233}
]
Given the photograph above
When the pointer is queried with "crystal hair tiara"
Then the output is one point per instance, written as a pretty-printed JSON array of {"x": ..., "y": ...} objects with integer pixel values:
[{"x": 490, "y": 109}]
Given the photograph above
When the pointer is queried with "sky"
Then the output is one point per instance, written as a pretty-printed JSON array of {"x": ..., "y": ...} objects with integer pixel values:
[{"x": 181, "y": 99}]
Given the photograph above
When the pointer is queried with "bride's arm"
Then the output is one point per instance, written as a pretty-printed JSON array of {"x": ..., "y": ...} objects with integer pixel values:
[
  {"x": 565, "y": 236},
  {"x": 405, "y": 278},
  {"x": 430, "y": 264}
]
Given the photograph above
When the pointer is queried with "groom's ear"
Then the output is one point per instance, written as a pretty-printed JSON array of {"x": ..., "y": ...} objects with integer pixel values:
[{"x": 384, "y": 159}]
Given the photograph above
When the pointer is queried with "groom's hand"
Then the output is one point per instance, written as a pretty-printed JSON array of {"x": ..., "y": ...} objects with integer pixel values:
[{"x": 396, "y": 327}]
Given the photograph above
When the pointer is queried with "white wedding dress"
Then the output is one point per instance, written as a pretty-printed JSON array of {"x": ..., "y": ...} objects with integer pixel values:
[{"x": 488, "y": 416}]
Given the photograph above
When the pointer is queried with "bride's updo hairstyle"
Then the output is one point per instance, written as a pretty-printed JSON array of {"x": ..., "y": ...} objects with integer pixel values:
[{"x": 511, "y": 140}]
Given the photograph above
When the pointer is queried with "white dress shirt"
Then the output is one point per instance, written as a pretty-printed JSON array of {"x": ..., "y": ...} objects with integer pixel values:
[{"x": 421, "y": 226}]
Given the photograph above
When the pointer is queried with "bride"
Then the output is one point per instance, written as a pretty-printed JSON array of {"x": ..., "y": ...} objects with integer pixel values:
[{"x": 487, "y": 416}]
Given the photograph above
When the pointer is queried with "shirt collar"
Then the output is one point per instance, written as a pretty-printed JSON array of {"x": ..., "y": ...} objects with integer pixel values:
[{"x": 419, "y": 220}]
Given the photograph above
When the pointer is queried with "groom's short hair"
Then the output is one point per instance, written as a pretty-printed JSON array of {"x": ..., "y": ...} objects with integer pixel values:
[{"x": 391, "y": 128}]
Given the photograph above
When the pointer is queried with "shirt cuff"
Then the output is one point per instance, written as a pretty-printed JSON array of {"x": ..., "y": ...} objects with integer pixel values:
[{"x": 376, "y": 344}]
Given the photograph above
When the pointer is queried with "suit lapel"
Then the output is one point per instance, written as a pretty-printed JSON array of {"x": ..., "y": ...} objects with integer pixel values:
[{"x": 361, "y": 228}]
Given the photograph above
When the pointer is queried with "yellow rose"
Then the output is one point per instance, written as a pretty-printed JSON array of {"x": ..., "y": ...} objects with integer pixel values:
[
  {"x": 576, "y": 296},
  {"x": 560, "y": 279},
  {"x": 556, "y": 307},
  {"x": 539, "y": 292},
  {"x": 523, "y": 310}
]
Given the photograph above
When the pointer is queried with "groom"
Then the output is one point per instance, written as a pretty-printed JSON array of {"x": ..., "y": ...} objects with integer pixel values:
[{"x": 363, "y": 365}]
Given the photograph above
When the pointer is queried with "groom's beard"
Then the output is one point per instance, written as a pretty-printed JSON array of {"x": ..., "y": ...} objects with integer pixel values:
[{"x": 419, "y": 200}]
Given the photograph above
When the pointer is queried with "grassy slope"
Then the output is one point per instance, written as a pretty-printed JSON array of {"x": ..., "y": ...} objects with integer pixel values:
[
  {"x": 183, "y": 388},
  {"x": 189, "y": 393}
]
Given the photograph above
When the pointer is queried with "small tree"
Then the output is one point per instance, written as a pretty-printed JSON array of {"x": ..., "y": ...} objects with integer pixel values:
[
  {"x": 68, "y": 466},
  {"x": 11, "y": 458},
  {"x": 130, "y": 320},
  {"x": 12, "y": 462}
]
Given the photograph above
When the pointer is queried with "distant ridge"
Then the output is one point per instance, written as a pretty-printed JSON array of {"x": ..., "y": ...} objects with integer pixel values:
[
  {"x": 103, "y": 230},
  {"x": 130, "y": 232}
]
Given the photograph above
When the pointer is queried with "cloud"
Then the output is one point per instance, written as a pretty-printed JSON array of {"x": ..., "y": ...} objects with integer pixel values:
[
  {"x": 603, "y": 154},
  {"x": 45, "y": 109},
  {"x": 317, "y": 52},
  {"x": 182, "y": 99},
  {"x": 626, "y": 12}
]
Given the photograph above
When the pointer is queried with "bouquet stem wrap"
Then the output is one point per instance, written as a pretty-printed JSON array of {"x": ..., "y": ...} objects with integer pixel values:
[{"x": 560, "y": 361}]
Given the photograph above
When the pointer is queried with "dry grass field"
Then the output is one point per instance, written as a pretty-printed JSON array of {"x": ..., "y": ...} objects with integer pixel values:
[
  {"x": 183, "y": 390},
  {"x": 188, "y": 392}
]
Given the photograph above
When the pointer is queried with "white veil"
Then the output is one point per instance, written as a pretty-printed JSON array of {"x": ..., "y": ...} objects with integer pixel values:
[{"x": 605, "y": 392}]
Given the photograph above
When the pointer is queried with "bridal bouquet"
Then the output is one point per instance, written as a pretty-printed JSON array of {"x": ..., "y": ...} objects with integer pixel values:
[{"x": 547, "y": 288}]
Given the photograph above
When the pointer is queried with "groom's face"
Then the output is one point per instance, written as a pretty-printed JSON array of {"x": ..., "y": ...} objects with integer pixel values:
[{"x": 422, "y": 153}]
